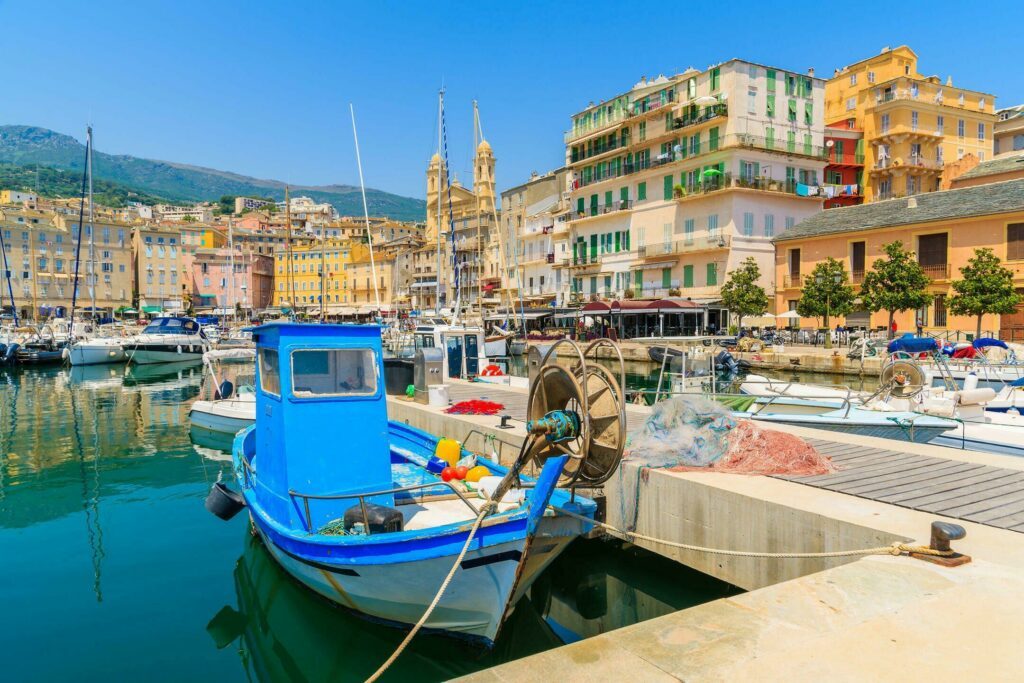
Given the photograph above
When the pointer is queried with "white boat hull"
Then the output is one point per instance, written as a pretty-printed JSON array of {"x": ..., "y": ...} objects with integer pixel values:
[
  {"x": 473, "y": 606},
  {"x": 96, "y": 354},
  {"x": 143, "y": 356},
  {"x": 225, "y": 417}
]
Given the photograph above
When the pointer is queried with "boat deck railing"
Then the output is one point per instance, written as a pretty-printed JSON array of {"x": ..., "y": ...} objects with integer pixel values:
[{"x": 361, "y": 497}]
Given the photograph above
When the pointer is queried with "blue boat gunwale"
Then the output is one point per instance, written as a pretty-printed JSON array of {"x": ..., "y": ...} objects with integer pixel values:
[{"x": 401, "y": 546}]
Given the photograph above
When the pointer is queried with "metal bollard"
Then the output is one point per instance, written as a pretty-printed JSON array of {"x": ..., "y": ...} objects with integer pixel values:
[
  {"x": 942, "y": 534},
  {"x": 504, "y": 422}
]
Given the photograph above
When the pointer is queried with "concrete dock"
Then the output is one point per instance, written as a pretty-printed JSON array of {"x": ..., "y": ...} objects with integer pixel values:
[{"x": 845, "y": 618}]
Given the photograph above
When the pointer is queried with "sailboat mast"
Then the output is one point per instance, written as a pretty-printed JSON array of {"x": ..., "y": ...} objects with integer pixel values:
[
  {"x": 323, "y": 270},
  {"x": 231, "y": 266},
  {"x": 92, "y": 279},
  {"x": 366, "y": 210},
  {"x": 479, "y": 256},
  {"x": 7, "y": 274},
  {"x": 291, "y": 258},
  {"x": 437, "y": 281},
  {"x": 81, "y": 216}
]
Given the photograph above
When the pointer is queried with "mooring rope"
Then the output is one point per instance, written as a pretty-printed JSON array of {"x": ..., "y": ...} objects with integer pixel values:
[
  {"x": 437, "y": 598},
  {"x": 896, "y": 548}
]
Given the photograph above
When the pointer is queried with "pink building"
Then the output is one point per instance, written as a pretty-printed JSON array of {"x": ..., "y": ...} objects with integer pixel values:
[{"x": 213, "y": 287}]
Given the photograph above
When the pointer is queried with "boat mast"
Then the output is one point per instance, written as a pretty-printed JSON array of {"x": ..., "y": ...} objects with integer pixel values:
[
  {"x": 291, "y": 258},
  {"x": 81, "y": 216},
  {"x": 366, "y": 210},
  {"x": 231, "y": 266},
  {"x": 437, "y": 280},
  {"x": 323, "y": 270},
  {"x": 92, "y": 279},
  {"x": 10, "y": 288},
  {"x": 479, "y": 253}
]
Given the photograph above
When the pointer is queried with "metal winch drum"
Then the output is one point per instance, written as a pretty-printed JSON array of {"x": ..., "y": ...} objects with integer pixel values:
[{"x": 577, "y": 409}]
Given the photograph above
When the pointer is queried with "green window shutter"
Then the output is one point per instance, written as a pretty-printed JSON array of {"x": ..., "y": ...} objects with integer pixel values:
[
  {"x": 721, "y": 168},
  {"x": 627, "y": 240},
  {"x": 593, "y": 247},
  {"x": 807, "y": 144},
  {"x": 757, "y": 169},
  {"x": 593, "y": 205},
  {"x": 712, "y": 274},
  {"x": 859, "y": 151},
  {"x": 808, "y": 113},
  {"x": 593, "y": 284},
  {"x": 608, "y": 284},
  {"x": 641, "y": 191},
  {"x": 574, "y": 255},
  {"x": 839, "y": 149},
  {"x": 608, "y": 199},
  {"x": 770, "y": 77},
  {"x": 716, "y": 78},
  {"x": 618, "y": 242},
  {"x": 792, "y": 110},
  {"x": 624, "y": 194},
  {"x": 713, "y": 139},
  {"x": 638, "y": 278},
  {"x": 687, "y": 276},
  {"x": 771, "y": 105},
  {"x": 579, "y": 205},
  {"x": 666, "y": 278},
  {"x": 769, "y": 138},
  {"x": 682, "y": 147},
  {"x": 790, "y": 141},
  {"x": 668, "y": 187}
]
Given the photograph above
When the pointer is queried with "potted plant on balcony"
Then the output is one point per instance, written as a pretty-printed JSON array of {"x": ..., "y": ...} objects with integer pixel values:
[
  {"x": 628, "y": 294},
  {"x": 678, "y": 191},
  {"x": 674, "y": 291}
]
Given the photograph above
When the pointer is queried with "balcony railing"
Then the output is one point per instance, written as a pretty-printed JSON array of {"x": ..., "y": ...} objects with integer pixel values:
[
  {"x": 845, "y": 159},
  {"x": 724, "y": 181},
  {"x": 794, "y": 281},
  {"x": 578, "y": 155},
  {"x": 693, "y": 118},
  {"x": 857, "y": 277},
  {"x": 551, "y": 257},
  {"x": 584, "y": 131},
  {"x": 640, "y": 107},
  {"x": 913, "y": 160},
  {"x": 937, "y": 272},
  {"x": 601, "y": 209},
  {"x": 685, "y": 245}
]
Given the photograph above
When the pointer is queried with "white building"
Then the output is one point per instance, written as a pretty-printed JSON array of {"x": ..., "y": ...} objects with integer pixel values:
[
  {"x": 249, "y": 204},
  {"x": 201, "y": 213}
]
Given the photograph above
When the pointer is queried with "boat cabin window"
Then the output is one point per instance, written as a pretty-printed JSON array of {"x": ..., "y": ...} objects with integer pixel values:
[
  {"x": 172, "y": 326},
  {"x": 424, "y": 341},
  {"x": 270, "y": 372},
  {"x": 334, "y": 372}
]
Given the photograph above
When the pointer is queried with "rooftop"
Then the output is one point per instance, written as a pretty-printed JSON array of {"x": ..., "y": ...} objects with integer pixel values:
[
  {"x": 1001, "y": 164},
  {"x": 981, "y": 200}
]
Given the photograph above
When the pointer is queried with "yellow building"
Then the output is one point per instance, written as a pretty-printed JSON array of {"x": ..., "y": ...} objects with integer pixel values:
[
  {"x": 308, "y": 261},
  {"x": 912, "y": 124}
]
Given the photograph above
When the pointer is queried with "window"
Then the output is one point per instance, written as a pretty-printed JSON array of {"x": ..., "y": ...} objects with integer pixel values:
[
  {"x": 960, "y": 99},
  {"x": 668, "y": 187},
  {"x": 808, "y": 113},
  {"x": 981, "y": 132},
  {"x": 752, "y": 100},
  {"x": 913, "y": 120},
  {"x": 748, "y": 224},
  {"x": 792, "y": 111},
  {"x": 770, "y": 77},
  {"x": 769, "y": 225},
  {"x": 790, "y": 222},
  {"x": 871, "y": 77},
  {"x": 1015, "y": 242},
  {"x": 960, "y": 128},
  {"x": 687, "y": 276},
  {"x": 270, "y": 371},
  {"x": 641, "y": 191},
  {"x": 716, "y": 78},
  {"x": 712, "y": 274},
  {"x": 853, "y": 79},
  {"x": 770, "y": 106},
  {"x": 851, "y": 104},
  {"x": 713, "y": 225},
  {"x": 885, "y": 123},
  {"x": 940, "y": 124},
  {"x": 688, "y": 230}
]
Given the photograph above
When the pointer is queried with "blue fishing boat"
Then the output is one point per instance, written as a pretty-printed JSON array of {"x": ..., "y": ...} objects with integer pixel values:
[{"x": 352, "y": 506}]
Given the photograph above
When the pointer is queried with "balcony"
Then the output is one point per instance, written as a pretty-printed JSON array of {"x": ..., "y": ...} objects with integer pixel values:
[
  {"x": 604, "y": 209},
  {"x": 856, "y": 277},
  {"x": 845, "y": 159},
  {"x": 685, "y": 246},
  {"x": 577, "y": 155},
  {"x": 793, "y": 281},
  {"x": 640, "y": 107},
  {"x": 915, "y": 162},
  {"x": 584, "y": 131},
  {"x": 692, "y": 118},
  {"x": 727, "y": 181},
  {"x": 551, "y": 257},
  {"x": 936, "y": 272}
]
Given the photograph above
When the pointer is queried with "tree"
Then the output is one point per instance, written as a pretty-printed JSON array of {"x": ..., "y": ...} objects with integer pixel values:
[
  {"x": 188, "y": 218},
  {"x": 895, "y": 283},
  {"x": 826, "y": 292},
  {"x": 741, "y": 294},
  {"x": 986, "y": 287}
]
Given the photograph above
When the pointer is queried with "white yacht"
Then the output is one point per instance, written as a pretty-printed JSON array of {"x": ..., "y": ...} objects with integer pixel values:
[{"x": 168, "y": 339}]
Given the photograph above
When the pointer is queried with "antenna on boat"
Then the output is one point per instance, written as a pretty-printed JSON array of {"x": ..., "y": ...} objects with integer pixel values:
[{"x": 366, "y": 210}]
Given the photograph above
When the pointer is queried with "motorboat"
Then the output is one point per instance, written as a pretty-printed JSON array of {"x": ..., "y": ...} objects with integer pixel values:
[
  {"x": 231, "y": 408},
  {"x": 464, "y": 347},
  {"x": 97, "y": 350},
  {"x": 168, "y": 339},
  {"x": 352, "y": 505}
]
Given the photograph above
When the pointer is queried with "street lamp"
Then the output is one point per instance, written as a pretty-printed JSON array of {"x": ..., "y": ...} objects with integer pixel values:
[{"x": 819, "y": 280}]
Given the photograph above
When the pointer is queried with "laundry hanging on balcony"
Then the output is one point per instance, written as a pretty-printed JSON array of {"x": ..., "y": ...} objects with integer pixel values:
[{"x": 807, "y": 190}]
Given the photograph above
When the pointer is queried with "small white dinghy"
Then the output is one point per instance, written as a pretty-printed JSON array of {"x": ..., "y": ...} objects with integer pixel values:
[{"x": 231, "y": 409}]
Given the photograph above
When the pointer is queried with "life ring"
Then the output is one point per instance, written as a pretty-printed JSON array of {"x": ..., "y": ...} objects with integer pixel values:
[{"x": 492, "y": 371}]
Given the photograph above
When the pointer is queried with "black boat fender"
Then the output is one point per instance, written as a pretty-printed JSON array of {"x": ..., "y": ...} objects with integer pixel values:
[{"x": 223, "y": 502}]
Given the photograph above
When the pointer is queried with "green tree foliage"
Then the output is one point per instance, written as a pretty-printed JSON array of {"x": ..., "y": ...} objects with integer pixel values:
[
  {"x": 986, "y": 287},
  {"x": 225, "y": 205},
  {"x": 826, "y": 292},
  {"x": 741, "y": 294},
  {"x": 895, "y": 283}
]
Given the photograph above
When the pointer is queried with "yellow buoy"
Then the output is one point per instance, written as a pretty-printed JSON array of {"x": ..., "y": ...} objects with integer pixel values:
[
  {"x": 448, "y": 450},
  {"x": 477, "y": 473}
]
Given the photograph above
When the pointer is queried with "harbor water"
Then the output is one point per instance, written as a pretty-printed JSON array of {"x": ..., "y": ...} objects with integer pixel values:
[{"x": 110, "y": 568}]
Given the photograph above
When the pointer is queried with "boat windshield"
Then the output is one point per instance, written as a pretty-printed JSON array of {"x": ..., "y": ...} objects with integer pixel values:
[{"x": 172, "y": 326}]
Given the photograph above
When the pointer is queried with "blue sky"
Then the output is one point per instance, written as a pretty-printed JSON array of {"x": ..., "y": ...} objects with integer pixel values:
[{"x": 262, "y": 88}]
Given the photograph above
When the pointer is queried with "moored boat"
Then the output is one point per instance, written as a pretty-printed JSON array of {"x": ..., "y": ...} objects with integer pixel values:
[{"x": 168, "y": 339}]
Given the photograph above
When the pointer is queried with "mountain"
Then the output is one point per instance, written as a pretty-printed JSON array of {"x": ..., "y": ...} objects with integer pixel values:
[
  {"x": 29, "y": 145},
  {"x": 48, "y": 181}
]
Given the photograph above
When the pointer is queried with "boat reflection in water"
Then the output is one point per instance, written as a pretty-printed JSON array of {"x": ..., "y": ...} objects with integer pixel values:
[{"x": 283, "y": 631}]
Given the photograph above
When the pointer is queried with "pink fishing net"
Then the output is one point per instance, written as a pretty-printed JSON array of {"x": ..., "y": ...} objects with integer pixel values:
[{"x": 754, "y": 449}]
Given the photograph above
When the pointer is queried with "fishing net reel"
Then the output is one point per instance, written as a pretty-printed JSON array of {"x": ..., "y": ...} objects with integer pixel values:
[
  {"x": 902, "y": 379},
  {"x": 577, "y": 408}
]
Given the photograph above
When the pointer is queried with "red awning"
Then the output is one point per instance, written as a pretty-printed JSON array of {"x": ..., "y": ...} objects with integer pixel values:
[{"x": 596, "y": 307}]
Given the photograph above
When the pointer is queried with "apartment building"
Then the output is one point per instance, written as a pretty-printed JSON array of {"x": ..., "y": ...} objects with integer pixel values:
[
  {"x": 243, "y": 204},
  {"x": 17, "y": 197},
  {"x": 912, "y": 124},
  {"x": 202, "y": 213},
  {"x": 535, "y": 230},
  {"x": 1009, "y": 130},
  {"x": 318, "y": 273},
  {"x": 679, "y": 179},
  {"x": 844, "y": 166},
  {"x": 41, "y": 251},
  {"x": 224, "y": 281},
  {"x": 942, "y": 228},
  {"x": 159, "y": 285}
]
